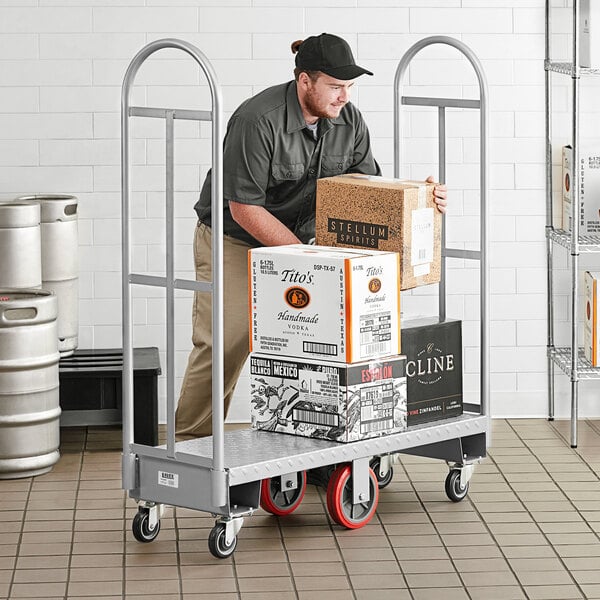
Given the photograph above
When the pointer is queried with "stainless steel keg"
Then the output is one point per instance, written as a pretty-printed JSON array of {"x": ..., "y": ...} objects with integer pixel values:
[
  {"x": 20, "y": 245},
  {"x": 60, "y": 265},
  {"x": 29, "y": 393}
]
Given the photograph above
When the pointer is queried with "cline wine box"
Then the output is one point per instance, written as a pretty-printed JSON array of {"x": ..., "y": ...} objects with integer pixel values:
[
  {"x": 383, "y": 214},
  {"x": 328, "y": 400},
  {"x": 333, "y": 303},
  {"x": 434, "y": 384}
]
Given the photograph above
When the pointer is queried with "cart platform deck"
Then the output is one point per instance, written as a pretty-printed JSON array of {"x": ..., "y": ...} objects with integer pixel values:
[{"x": 251, "y": 454}]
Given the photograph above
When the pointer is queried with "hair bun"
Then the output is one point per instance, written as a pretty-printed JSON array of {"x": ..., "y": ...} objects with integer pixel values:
[{"x": 296, "y": 46}]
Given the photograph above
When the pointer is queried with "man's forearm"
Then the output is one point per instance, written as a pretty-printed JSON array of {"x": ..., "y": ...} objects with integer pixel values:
[{"x": 262, "y": 225}]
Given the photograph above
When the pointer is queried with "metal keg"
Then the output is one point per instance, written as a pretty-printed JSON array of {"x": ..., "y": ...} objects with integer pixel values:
[
  {"x": 20, "y": 245},
  {"x": 29, "y": 393},
  {"x": 60, "y": 265}
]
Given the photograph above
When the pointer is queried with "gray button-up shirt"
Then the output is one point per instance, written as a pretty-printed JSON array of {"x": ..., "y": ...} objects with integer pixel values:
[{"x": 271, "y": 159}]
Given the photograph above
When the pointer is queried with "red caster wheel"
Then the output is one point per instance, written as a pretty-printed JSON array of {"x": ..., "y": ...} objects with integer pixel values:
[
  {"x": 339, "y": 499},
  {"x": 282, "y": 502}
]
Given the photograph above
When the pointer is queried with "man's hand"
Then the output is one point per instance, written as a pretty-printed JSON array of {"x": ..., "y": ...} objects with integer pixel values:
[{"x": 439, "y": 194}]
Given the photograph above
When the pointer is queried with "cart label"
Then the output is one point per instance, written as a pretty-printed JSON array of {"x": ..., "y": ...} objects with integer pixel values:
[{"x": 168, "y": 479}]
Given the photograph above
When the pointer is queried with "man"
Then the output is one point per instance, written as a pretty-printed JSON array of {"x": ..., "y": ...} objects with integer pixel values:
[{"x": 277, "y": 144}]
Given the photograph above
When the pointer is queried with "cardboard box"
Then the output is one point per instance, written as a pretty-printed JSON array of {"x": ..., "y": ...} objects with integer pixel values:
[
  {"x": 334, "y": 303},
  {"x": 589, "y": 23},
  {"x": 328, "y": 400},
  {"x": 589, "y": 190},
  {"x": 591, "y": 323},
  {"x": 434, "y": 384},
  {"x": 567, "y": 194},
  {"x": 384, "y": 214}
]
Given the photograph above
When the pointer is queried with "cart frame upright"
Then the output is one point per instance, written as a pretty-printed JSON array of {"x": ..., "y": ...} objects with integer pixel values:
[
  {"x": 482, "y": 254},
  {"x": 222, "y": 474}
]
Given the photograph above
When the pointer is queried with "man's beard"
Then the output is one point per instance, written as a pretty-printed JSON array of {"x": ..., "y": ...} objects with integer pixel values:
[{"x": 315, "y": 109}]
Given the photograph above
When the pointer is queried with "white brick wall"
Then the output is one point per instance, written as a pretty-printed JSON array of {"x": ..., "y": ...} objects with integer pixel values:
[{"x": 61, "y": 68}]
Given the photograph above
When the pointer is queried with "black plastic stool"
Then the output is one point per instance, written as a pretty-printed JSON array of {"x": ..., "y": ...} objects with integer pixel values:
[{"x": 91, "y": 390}]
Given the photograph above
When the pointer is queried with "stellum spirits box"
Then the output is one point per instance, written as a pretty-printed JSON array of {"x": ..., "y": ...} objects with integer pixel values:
[{"x": 364, "y": 211}]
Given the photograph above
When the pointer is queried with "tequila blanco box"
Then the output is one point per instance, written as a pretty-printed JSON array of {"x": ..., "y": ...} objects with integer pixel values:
[
  {"x": 589, "y": 190},
  {"x": 339, "y": 304},
  {"x": 589, "y": 24},
  {"x": 591, "y": 323},
  {"x": 333, "y": 401}
]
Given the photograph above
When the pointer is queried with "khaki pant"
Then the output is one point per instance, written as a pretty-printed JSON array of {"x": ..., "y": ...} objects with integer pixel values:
[{"x": 194, "y": 411}]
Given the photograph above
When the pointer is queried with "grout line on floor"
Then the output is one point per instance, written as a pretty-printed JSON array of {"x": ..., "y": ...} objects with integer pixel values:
[
  {"x": 235, "y": 576},
  {"x": 18, "y": 545},
  {"x": 387, "y": 536},
  {"x": 323, "y": 497},
  {"x": 560, "y": 558},
  {"x": 434, "y": 525},
  {"x": 493, "y": 535},
  {"x": 73, "y": 524},
  {"x": 287, "y": 556}
]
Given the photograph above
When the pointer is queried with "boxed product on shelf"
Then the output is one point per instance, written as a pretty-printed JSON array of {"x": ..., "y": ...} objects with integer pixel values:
[
  {"x": 589, "y": 23},
  {"x": 333, "y": 401},
  {"x": 566, "y": 187},
  {"x": 434, "y": 385},
  {"x": 590, "y": 318},
  {"x": 339, "y": 304},
  {"x": 384, "y": 214},
  {"x": 589, "y": 190}
]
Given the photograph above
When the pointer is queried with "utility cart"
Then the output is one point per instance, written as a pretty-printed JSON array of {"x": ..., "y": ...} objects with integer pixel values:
[{"x": 232, "y": 473}]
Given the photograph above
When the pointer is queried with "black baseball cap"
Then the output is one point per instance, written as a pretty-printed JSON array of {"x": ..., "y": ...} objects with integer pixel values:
[{"x": 331, "y": 55}]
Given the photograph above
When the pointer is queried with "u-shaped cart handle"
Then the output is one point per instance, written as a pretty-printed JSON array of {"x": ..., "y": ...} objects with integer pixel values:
[
  {"x": 169, "y": 282},
  {"x": 442, "y": 104}
]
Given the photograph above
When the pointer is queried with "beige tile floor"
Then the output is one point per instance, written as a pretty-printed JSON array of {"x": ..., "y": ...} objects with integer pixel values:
[{"x": 529, "y": 528}]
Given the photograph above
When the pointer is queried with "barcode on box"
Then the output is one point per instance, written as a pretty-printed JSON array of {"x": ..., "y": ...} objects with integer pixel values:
[
  {"x": 316, "y": 418},
  {"x": 376, "y": 426},
  {"x": 376, "y": 348},
  {"x": 319, "y": 348}
]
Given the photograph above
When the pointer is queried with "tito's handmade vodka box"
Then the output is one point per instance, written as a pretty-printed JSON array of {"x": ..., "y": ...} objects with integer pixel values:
[
  {"x": 338, "y": 304},
  {"x": 320, "y": 399}
]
